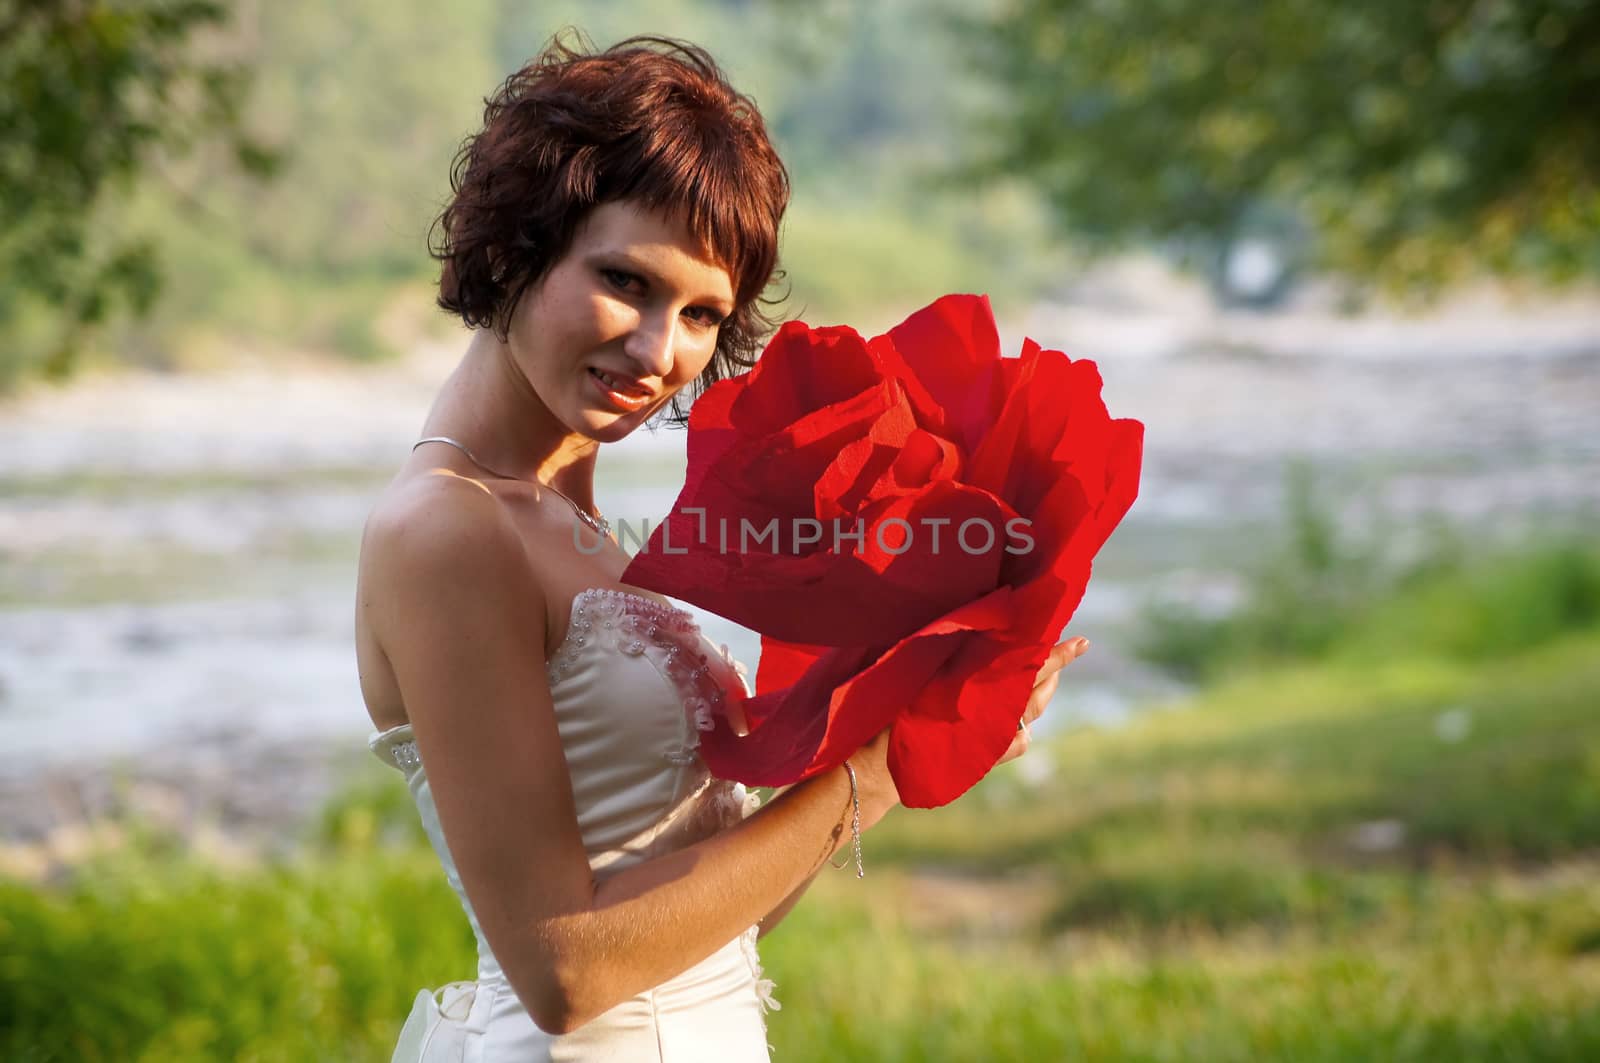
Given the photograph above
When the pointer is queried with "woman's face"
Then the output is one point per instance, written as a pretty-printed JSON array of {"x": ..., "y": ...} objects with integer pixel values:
[{"x": 625, "y": 319}]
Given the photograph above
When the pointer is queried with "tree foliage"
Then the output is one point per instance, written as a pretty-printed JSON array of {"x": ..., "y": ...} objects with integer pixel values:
[
  {"x": 1421, "y": 141},
  {"x": 369, "y": 99},
  {"x": 92, "y": 91},
  {"x": 373, "y": 97}
]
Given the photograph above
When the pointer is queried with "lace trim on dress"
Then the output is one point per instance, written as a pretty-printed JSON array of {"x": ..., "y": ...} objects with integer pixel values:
[
  {"x": 630, "y": 623},
  {"x": 747, "y": 802},
  {"x": 765, "y": 986}
]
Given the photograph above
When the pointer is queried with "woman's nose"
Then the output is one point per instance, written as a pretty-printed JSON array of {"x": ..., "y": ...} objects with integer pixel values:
[{"x": 650, "y": 344}]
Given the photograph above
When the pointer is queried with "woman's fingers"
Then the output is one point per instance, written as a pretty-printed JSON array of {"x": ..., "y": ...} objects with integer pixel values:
[
  {"x": 1044, "y": 688},
  {"x": 1061, "y": 654},
  {"x": 1040, "y": 698},
  {"x": 1019, "y": 746}
]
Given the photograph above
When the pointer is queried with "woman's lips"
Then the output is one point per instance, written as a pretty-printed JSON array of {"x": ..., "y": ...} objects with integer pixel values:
[{"x": 621, "y": 392}]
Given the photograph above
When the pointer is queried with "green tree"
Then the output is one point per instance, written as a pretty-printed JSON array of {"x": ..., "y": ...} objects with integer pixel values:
[
  {"x": 1420, "y": 141},
  {"x": 90, "y": 92},
  {"x": 369, "y": 99}
]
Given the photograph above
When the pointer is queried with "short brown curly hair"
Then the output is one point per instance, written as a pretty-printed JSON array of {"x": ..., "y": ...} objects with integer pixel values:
[{"x": 649, "y": 119}]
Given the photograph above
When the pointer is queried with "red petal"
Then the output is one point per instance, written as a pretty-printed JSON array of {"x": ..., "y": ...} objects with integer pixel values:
[
  {"x": 841, "y": 700},
  {"x": 860, "y": 464},
  {"x": 961, "y": 721},
  {"x": 803, "y": 370},
  {"x": 951, "y": 350},
  {"x": 793, "y": 730}
]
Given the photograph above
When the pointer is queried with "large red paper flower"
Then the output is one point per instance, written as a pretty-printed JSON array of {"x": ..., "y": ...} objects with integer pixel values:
[{"x": 909, "y": 522}]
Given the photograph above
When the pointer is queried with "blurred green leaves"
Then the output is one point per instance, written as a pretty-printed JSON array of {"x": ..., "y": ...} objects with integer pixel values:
[
  {"x": 1423, "y": 142},
  {"x": 1418, "y": 142},
  {"x": 94, "y": 90}
]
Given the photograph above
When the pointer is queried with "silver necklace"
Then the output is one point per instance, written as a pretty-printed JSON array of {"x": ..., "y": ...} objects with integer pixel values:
[{"x": 594, "y": 521}]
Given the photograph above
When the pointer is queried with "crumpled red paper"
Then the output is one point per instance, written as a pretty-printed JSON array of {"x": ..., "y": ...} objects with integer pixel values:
[{"x": 938, "y": 641}]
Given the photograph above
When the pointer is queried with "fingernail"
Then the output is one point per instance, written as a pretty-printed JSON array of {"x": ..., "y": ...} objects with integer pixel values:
[{"x": 1083, "y": 644}]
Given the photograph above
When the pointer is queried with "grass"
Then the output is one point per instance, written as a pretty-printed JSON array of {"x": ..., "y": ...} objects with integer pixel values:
[
  {"x": 1480, "y": 763},
  {"x": 1390, "y": 855},
  {"x": 1459, "y": 974},
  {"x": 1207, "y": 891},
  {"x": 166, "y": 958}
]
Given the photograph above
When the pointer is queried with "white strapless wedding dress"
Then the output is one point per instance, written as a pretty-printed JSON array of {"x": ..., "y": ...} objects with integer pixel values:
[{"x": 633, "y": 684}]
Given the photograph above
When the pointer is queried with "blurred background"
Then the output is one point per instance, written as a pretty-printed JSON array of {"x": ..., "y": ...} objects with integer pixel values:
[{"x": 1326, "y": 788}]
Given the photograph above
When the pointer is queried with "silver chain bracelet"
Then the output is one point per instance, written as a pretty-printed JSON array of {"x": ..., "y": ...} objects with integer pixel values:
[{"x": 855, "y": 824}]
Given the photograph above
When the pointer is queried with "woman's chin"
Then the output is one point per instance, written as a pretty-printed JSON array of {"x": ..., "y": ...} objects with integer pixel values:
[{"x": 604, "y": 426}]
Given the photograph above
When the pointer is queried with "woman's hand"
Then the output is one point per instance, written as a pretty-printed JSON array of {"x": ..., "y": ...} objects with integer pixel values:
[
  {"x": 1044, "y": 688},
  {"x": 875, "y": 784}
]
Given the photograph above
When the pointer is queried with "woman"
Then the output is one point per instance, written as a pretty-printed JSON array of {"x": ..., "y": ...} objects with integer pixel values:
[{"x": 612, "y": 228}]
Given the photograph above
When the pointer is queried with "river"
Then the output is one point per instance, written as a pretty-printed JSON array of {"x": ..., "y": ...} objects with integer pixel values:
[{"x": 176, "y": 552}]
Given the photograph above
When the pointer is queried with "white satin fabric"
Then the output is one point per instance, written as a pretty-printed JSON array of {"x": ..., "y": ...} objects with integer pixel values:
[{"x": 633, "y": 685}]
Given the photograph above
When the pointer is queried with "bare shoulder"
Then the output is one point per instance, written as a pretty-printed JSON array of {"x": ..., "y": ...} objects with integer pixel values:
[
  {"x": 445, "y": 538},
  {"x": 450, "y": 605},
  {"x": 430, "y": 518}
]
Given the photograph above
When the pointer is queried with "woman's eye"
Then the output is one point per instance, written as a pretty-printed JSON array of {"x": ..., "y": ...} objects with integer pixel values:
[
  {"x": 705, "y": 316},
  {"x": 618, "y": 279}
]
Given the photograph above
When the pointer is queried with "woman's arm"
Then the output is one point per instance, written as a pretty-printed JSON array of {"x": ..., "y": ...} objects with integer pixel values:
[
  {"x": 451, "y": 595},
  {"x": 785, "y": 906}
]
